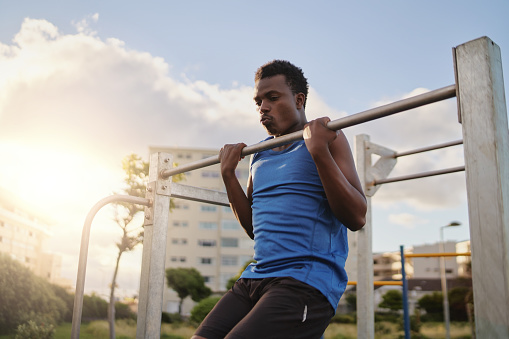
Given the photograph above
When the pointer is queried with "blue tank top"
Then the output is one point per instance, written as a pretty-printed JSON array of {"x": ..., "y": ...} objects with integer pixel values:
[{"x": 296, "y": 234}]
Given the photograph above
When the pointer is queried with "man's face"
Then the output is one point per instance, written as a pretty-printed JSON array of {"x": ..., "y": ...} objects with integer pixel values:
[{"x": 278, "y": 106}]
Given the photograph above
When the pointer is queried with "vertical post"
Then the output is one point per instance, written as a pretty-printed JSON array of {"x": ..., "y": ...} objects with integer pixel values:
[
  {"x": 443, "y": 281},
  {"x": 483, "y": 111},
  {"x": 154, "y": 249},
  {"x": 365, "y": 299},
  {"x": 406, "y": 317}
]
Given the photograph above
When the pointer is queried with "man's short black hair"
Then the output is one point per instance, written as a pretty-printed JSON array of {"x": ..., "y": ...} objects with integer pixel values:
[{"x": 294, "y": 76}]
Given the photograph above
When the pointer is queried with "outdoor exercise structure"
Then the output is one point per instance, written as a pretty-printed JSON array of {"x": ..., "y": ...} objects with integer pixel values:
[{"x": 482, "y": 112}]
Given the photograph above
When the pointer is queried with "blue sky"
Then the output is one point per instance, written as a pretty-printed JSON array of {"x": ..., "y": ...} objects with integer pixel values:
[{"x": 85, "y": 83}]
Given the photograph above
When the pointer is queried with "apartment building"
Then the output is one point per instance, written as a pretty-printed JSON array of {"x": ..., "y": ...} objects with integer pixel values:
[
  {"x": 22, "y": 236},
  {"x": 204, "y": 236},
  {"x": 387, "y": 266}
]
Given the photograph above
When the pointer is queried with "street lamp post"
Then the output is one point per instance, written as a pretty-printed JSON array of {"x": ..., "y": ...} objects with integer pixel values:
[{"x": 444, "y": 279}]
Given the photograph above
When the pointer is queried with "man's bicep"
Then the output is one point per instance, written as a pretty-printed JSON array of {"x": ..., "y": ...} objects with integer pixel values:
[{"x": 342, "y": 154}]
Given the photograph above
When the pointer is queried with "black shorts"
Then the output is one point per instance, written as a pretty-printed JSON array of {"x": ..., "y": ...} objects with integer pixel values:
[{"x": 268, "y": 308}]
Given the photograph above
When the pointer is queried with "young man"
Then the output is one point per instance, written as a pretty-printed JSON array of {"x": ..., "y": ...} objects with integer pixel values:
[{"x": 300, "y": 199}]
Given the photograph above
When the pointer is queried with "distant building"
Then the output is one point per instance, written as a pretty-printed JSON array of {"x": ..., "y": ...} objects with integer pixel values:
[
  {"x": 387, "y": 266},
  {"x": 204, "y": 236},
  {"x": 22, "y": 236},
  {"x": 430, "y": 267}
]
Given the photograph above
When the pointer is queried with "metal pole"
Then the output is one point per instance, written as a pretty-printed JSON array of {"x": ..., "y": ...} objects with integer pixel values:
[
  {"x": 351, "y": 120},
  {"x": 406, "y": 317},
  {"x": 430, "y": 148},
  {"x": 444, "y": 285},
  {"x": 419, "y": 175},
  {"x": 82, "y": 265}
]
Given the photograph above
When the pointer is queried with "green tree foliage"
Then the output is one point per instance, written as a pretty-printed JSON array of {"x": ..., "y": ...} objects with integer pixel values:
[
  {"x": 187, "y": 282},
  {"x": 432, "y": 303},
  {"x": 232, "y": 280},
  {"x": 458, "y": 303},
  {"x": 393, "y": 300},
  {"x": 200, "y": 310},
  {"x": 24, "y": 295}
]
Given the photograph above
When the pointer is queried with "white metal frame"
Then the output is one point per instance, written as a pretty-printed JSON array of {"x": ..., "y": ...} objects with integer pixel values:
[{"x": 481, "y": 101}]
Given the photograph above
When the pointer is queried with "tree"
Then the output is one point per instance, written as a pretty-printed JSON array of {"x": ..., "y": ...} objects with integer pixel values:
[
  {"x": 393, "y": 300},
  {"x": 458, "y": 303},
  {"x": 187, "y": 282},
  {"x": 135, "y": 184},
  {"x": 433, "y": 305}
]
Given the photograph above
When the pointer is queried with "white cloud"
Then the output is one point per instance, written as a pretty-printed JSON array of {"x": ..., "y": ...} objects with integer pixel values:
[
  {"x": 406, "y": 220},
  {"x": 83, "y": 26}
]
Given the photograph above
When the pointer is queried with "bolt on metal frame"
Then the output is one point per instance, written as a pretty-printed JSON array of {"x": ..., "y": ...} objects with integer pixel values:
[{"x": 479, "y": 91}]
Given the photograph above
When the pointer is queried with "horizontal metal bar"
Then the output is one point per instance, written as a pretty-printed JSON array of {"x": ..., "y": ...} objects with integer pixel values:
[
  {"x": 430, "y": 148},
  {"x": 418, "y": 175},
  {"x": 82, "y": 264},
  {"x": 351, "y": 120},
  {"x": 432, "y": 255},
  {"x": 199, "y": 194}
]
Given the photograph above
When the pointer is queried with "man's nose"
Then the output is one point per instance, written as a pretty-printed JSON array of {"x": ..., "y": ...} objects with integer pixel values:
[{"x": 264, "y": 106}]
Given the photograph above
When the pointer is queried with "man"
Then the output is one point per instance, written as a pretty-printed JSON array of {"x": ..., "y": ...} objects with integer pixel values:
[{"x": 300, "y": 199}]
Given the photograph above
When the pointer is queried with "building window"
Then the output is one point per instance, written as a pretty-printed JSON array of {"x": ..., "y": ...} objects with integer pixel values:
[
  {"x": 173, "y": 259},
  {"x": 205, "y": 261},
  {"x": 230, "y": 224},
  {"x": 208, "y": 208},
  {"x": 179, "y": 241},
  {"x": 229, "y": 242},
  {"x": 177, "y": 223},
  {"x": 183, "y": 259},
  {"x": 207, "y": 225},
  {"x": 208, "y": 279},
  {"x": 206, "y": 243},
  {"x": 229, "y": 260}
]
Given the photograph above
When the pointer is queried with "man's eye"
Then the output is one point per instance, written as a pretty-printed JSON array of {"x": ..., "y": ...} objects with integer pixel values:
[{"x": 274, "y": 98}]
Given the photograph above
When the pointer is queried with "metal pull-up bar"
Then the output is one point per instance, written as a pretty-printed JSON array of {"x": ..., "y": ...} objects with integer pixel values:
[{"x": 348, "y": 121}]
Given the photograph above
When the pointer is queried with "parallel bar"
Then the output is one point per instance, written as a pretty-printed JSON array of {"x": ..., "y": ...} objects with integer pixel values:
[
  {"x": 419, "y": 175},
  {"x": 351, "y": 120},
  {"x": 82, "y": 264},
  {"x": 430, "y": 148},
  {"x": 199, "y": 194},
  {"x": 431, "y": 255}
]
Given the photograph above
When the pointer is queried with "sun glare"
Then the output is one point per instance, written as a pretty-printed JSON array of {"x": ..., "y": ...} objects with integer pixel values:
[{"x": 54, "y": 181}]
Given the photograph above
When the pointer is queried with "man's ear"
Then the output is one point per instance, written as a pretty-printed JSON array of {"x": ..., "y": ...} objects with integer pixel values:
[{"x": 300, "y": 98}]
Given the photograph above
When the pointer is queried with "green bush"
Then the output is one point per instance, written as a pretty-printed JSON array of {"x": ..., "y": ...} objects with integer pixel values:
[
  {"x": 349, "y": 318},
  {"x": 24, "y": 294},
  {"x": 415, "y": 324},
  {"x": 34, "y": 330},
  {"x": 200, "y": 310},
  {"x": 171, "y": 318},
  {"x": 390, "y": 317}
]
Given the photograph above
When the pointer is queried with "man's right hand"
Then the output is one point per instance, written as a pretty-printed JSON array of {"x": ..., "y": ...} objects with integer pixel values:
[{"x": 229, "y": 156}]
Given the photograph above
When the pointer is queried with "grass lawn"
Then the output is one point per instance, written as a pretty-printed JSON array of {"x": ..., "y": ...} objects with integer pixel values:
[{"x": 126, "y": 329}]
